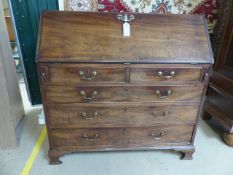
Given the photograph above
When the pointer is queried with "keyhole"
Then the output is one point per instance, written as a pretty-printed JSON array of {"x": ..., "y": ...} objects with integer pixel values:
[{"x": 125, "y": 110}]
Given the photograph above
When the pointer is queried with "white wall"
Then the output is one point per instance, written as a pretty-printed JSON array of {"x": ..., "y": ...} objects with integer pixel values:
[{"x": 61, "y": 4}]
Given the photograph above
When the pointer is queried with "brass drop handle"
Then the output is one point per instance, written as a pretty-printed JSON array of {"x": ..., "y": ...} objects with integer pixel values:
[
  {"x": 90, "y": 138},
  {"x": 158, "y": 135},
  {"x": 161, "y": 115},
  {"x": 42, "y": 76},
  {"x": 87, "y": 75},
  {"x": 163, "y": 94},
  {"x": 166, "y": 74},
  {"x": 165, "y": 113},
  {"x": 84, "y": 115},
  {"x": 85, "y": 97}
]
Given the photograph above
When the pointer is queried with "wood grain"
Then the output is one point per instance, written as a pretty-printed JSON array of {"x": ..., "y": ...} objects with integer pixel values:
[
  {"x": 64, "y": 116},
  {"x": 97, "y": 37},
  {"x": 122, "y": 73},
  {"x": 121, "y": 137},
  {"x": 148, "y": 75},
  {"x": 70, "y": 73},
  {"x": 222, "y": 102},
  {"x": 218, "y": 106},
  {"x": 139, "y": 92},
  {"x": 71, "y": 94}
]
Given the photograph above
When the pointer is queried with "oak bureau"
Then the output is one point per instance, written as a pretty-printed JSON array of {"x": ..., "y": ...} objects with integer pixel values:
[{"x": 103, "y": 91}]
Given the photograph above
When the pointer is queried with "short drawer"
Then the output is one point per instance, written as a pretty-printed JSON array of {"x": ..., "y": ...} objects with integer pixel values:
[
  {"x": 121, "y": 137},
  {"x": 89, "y": 94},
  {"x": 74, "y": 116},
  {"x": 82, "y": 73},
  {"x": 166, "y": 74}
]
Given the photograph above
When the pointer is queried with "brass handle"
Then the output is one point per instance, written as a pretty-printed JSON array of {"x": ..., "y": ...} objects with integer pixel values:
[
  {"x": 166, "y": 74},
  {"x": 161, "y": 115},
  {"x": 163, "y": 94},
  {"x": 87, "y": 76},
  {"x": 85, "y": 97},
  {"x": 90, "y": 138},
  {"x": 42, "y": 76},
  {"x": 125, "y": 17},
  {"x": 206, "y": 77},
  {"x": 84, "y": 115},
  {"x": 157, "y": 135}
]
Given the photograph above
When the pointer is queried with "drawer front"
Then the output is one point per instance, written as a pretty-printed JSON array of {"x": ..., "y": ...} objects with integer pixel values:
[
  {"x": 74, "y": 94},
  {"x": 73, "y": 73},
  {"x": 92, "y": 115},
  {"x": 166, "y": 74},
  {"x": 121, "y": 137}
]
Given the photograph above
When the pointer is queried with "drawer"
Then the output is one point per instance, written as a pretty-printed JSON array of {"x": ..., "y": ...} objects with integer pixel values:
[
  {"x": 121, "y": 137},
  {"x": 91, "y": 94},
  {"x": 166, "y": 74},
  {"x": 95, "y": 115},
  {"x": 82, "y": 73}
]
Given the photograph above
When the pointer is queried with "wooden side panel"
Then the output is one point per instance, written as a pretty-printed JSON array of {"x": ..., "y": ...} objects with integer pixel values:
[
  {"x": 11, "y": 107},
  {"x": 222, "y": 82},
  {"x": 219, "y": 105},
  {"x": 222, "y": 102},
  {"x": 7, "y": 126}
]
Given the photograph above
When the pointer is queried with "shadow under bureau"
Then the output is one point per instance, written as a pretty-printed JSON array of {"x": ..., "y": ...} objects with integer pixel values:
[{"x": 102, "y": 91}]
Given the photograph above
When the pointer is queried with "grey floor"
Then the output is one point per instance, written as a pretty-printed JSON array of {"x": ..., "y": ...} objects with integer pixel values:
[{"x": 212, "y": 156}]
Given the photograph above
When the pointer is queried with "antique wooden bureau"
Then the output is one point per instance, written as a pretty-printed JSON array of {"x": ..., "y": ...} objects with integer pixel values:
[{"x": 103, "y": 91}]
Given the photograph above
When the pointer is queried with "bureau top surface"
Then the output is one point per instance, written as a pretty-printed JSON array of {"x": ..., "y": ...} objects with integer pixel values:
[{"x": 98, "y": 37}]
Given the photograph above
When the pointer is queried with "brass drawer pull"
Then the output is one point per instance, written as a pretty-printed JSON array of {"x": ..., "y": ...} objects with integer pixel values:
[
  {"x": 90, "y": 138},
  {"x": 84, "y": 115},
  {"x": 87, "y": 75},
  {"x": 163, "y": 94},
  {"x": 85, "y": 97},
  {"x": 166, "y": 74},
  {"x": 42, "y": 76},
  {"x": 157, "y": 135},
  {"x": 156, "y": 115}
]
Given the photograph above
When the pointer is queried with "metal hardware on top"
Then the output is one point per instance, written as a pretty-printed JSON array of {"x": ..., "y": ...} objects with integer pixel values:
[
  {"x": 87, "y": 75},
  {"x": 126, "y": 26},
  {"x": 158, "y": 135},
  {"x": 163, "y": 94},
  {"x": 166, "y": 74},
  {"x": 125, "y": 17},
  {"x": 84, "y": 115},
  {"x": 85, "y": 97},
  {"x": 90, "y": 138}
]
